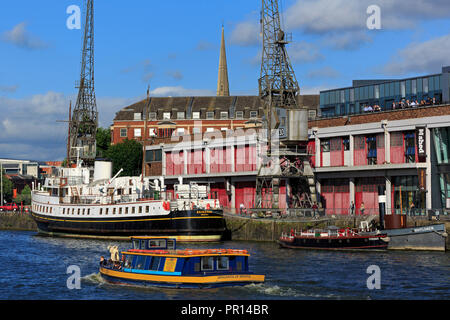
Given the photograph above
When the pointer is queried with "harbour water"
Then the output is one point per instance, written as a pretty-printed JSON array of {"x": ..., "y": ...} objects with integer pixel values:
[{"x": 36, "y": 268}]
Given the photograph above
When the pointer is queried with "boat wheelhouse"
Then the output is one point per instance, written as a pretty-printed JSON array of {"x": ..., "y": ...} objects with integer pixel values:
[{"x": 155, "y": 261}]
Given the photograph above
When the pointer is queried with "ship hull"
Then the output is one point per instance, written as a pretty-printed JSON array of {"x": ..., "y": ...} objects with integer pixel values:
[{"x": 186, "y": 226}]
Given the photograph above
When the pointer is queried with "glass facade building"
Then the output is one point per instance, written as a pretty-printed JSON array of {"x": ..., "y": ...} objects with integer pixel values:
[{"x": 352, "y": 100}]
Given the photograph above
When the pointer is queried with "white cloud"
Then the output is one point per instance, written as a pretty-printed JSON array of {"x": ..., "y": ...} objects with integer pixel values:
[
  {"x": 323, "y": 16},
  {"x": 247, "y": 33},
  {"x": 426, "y": 57},
  {"x": 20, "y": 37},
  {"x": 29, "y": 127},
  {"x": 304, "y": 52}
]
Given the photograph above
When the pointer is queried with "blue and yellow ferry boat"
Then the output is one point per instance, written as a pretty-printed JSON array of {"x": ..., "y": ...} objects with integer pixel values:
[{"x": 155, "y": 261}]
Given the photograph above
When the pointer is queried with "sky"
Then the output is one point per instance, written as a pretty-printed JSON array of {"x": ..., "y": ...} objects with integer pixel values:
[{"x": 173, "y": 47}]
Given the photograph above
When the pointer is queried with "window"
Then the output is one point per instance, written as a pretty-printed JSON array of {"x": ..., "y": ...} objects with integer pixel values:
[
  {"x": 123, "y": 132},
  {"x": 166, "y": 115},
  {"x": 346, "y": 143},
  {"x": 403, "y": 89},
  {"x": 153, "y": 155},
  {"x": 180, "y": 131},
  {"x": 197, "y": 130},
  {"x": 372, "y": 150},
  {"x": 137, "y": 133},
  {"x": 352, "y": 95},
  {"x": 152, "y": 132},
  {"x": 239, "y": 114},
  {"x": 209, "y": 129},
  {"x": 140, "y": 262},
  {"x": 325, "y": 145},
  {"x": 253, "y": 114},
  {"x": 137, "y": 116},
  {"x": 377, "y": 92},
  {"x": 223, "y": 263},
  {"x": 154, "y": 265},
  {"x": 312, "y": 114},
  {"x": 410, "y": 147},
  {"x": 152, "y": 116},
  {"x": 196, "y": 115},
  {"x": 414, "y": 86},
  {"x": 210, "y": 115},
  {"x": 223, "y": 115},
  {"x": 207, "y": 263},
  {"x": 180, "y": 116},
  {"x": 425, "y": 85}
]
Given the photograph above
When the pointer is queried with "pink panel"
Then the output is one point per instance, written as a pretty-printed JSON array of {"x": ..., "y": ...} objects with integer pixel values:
[
  {"x": 169, "y": 164},
  {"x": 360, "y": 158},
  {"x": 240, "y": 159},
  {"x": 397, "y": 155},
  {"x": 380, "y": 156}
]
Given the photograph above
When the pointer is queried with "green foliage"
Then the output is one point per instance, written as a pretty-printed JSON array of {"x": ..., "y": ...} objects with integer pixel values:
[
  {"x": 126, "y": 155},
  {"x": 24, "y": 197},
  {"x": 7, "y": 188},
  {"x": 103, "y": 138}
]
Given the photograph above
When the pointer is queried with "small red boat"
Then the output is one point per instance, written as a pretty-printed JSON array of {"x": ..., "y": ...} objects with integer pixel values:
[{"x": 334, "y": 238}]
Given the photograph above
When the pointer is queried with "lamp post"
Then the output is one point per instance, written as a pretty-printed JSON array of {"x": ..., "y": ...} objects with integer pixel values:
[{"x": 1, "y": 183}]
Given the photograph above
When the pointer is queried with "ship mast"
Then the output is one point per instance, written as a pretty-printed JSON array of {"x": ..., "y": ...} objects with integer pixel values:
[{"x": 84, "y": 121}]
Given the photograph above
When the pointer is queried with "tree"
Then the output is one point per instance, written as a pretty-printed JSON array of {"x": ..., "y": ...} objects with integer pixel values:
[
  {"x": 103, "y": 138},
  {"x": 7, "y": 188},
  {"x": 126, "y": 155},
  {"x": 24, "y": 197}
]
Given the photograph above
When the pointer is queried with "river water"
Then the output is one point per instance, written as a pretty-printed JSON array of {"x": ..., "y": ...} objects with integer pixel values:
[{"x": 35, "y": 268}]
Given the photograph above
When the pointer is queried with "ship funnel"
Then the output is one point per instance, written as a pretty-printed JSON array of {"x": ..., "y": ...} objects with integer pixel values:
[{"x": 103, "y": 169}]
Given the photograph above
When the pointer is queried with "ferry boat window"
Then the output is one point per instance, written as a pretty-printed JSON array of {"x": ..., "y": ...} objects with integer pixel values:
[
  {"x": 114, "y": 210},
  {"x": 126, "y": 210},
  {"x": 207, "y": 263},
  {"x": 140, "y": 209},
  {"x": 106, "y": 211},
  {"x": 64, "y": 210},
  {"x": 156, "y": 244},
  {"x": 120, "y": 210},
  {"x": 133, "y": 210},
  {"x": 154, "y": 265},
  {"x": 170, "y": 244},
  {"x": 223, "y": 263},
  {"x": 128, "y": 261},
  {"x": 84, "y": 211},
  {"x": 89, "y": 212},
  {"x": 147, "y": 209},
  {"x": 140, "y": 262},
  {"x": 101, "y": 211},
  {"x": 73, "y": 211},
  {"x": 78, "y": 211}
]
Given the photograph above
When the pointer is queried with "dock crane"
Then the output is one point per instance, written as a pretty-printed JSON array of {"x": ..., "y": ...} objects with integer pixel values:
[{"x": 285, "y": 123}]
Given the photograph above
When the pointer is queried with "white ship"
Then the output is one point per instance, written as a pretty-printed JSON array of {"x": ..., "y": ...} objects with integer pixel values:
[{"x": 81, "y": 202}]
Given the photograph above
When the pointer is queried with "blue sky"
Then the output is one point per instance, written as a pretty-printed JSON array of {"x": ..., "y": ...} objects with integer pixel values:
[{"x": 173, "y": 46}]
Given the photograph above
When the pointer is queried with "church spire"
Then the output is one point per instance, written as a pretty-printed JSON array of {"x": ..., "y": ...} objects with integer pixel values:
[{"x": 223, "y": 89}]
